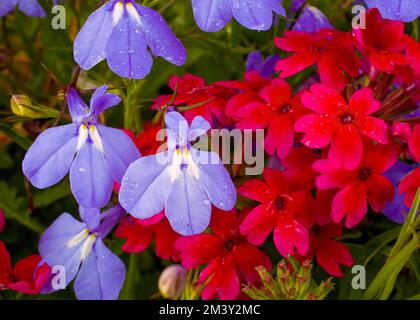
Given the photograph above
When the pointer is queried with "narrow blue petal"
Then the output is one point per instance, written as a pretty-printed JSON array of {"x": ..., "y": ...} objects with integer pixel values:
[
  {"x": 110, "y": 219},
  {"x": 145, "y": 186},
  {"x": 254, "y": 61},
  {"x": 7, "y": 6},
  {"x": 90, "y": 43},
  {"x": 101, "y": 276},
  {"x": 120, "y": 151},
  {"x": 49, "y": 158},
  {"x": 269, "y": 66},
  {"x": 101, "y": 100},
  {"x": 212, "y": 15},
  {"x": 215, "y": 179},
  {"x": 126, "y": 51},
  {"x": 160, "y": 38},
  {"x": 90, "y": 216},
  {"x": 401, "y": 10},
  {"x": 176, "y": 122},
  {"x": 199, "y": 127},
  {"x": 90, "y": 178},
  {"x": 77, "y": 107},
  {"x": 53, "y": 245},
  {"x": 187, "y": 206},
  {"x": 31, "y": 8}
]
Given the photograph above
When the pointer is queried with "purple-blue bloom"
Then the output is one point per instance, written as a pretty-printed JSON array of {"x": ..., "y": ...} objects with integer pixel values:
[
  {"x": 213, "y": 15},
  {"x": 402, "y": 10},
  {"x": 182, "y": 180},
  {"x": 29, "y": 7},
  {"x": 121, "y": 32},
  {"x": 79, "y": 248},
  {"x": 266, "y": 67},
  {"x": 311, "y": 19},
  {"x": 94, "y": 154},
  {"x": 396, "y": 210}
]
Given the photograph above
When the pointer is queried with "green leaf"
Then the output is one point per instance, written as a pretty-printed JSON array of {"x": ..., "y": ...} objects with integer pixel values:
[
  {"x": 23, "y": 106},
  {"x": 374, "y": 245},
  {"x": 9, "y": 131},
  {"x": 46, "y": 197}
]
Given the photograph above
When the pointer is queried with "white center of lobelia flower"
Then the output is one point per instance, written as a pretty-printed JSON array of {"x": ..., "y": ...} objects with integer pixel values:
[
  {"x": 85, "y": 239},
  {"x": 182, "y": 161},
  {"x": 91, "y": 132},
  {"x": 118, "y": 12}
]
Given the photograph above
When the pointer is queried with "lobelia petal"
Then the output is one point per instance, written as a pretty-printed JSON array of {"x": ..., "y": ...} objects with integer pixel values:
[
  {"x": 54, "y": 249},
  {"x": 199, "y": 127},
  {"x": 402, "y": 10},
  {"x": 144, "y": 186},
  {"x": 187, "y": 206},
  {"x": 160, "y": 38},
  {"x": 311, "y": 19},
  {"x": 101, "y": 100},
  {"x": 215, "y": 179},
  {"x": 90, "y": 216},
  {"x": 120, "y": 151},
  {"x": 90, "y": 43},
  {"x": 126, "y": 51},
  {"x": 7, "y": 6},
  {"x": 77, "y": 107},
  {"x": 255, "y": 15},
  {"x": 50, "y": 157},
  {"x": 211, "y": 15},
  {"x": 31, "y": 8},
  {"x": 177, "y": 123},
  {"x": 101, "y": 276},
  {"x": 90, "y": 177}
]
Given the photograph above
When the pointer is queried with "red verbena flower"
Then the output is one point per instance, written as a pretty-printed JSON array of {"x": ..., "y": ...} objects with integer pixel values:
[
  {"x": 230, "y": 259},
  {"x": 382, "y": 41},
  {"x": 363, "y": 184},
  {"x": 340, "y": 124},
  {"x": 140, "y": 234},
  {"x": 146, "y": 141},
  {"x": 283, "y": 210},
  {"x": 26, "y": 276},
  {"x": 276, "y": 110},
  {"x": 329, "y": 253},
  {"x": 331, "y": 50},
  {"x": 207, "y": 101}
]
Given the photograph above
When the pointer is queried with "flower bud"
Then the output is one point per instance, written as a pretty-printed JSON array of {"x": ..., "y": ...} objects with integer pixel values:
[
  {"x": 172, "y": 281},
  {"x": 23, "y": 106}
]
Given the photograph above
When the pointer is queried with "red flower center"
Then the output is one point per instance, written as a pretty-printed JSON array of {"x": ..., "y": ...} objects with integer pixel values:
[
  {"x": 230, "y": 245},
  {"x": 279, "y": 202},
  {"x": 365, "y": 173},
  {"x": 286, "y": 108},
  {"x": 347, "y": 118}
]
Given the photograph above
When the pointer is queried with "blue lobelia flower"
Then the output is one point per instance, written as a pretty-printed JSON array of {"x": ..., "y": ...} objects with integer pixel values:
[
  {"x": 213, "y": 15},
  {"x": 29, "y": 7},
  {"x": 311, "y": 19},
  {"x": 266, "y": 67},
  {"x": 395, "y": 210},
  {"x": 79, "y": 249},
  {"x": 120, "y": 32},
  {"x": 182, "y": 180},
  {"x": 94, "y": 154},
  {"x": 402, "y": 10}
]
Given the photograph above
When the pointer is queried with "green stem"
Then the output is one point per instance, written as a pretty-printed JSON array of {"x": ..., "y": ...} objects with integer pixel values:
[{"x": 133, "y": 274}]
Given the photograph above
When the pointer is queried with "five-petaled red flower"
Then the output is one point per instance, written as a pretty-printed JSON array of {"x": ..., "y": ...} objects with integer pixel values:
[
  {"x": 382, "y": 41},
  {"x": 276, "y": 110},
  {"x": 27, "y": 276},
  {"x": 283, "y": 210},
  {"x": 331, "y": 50},
  {"x": 329, "y": 253},
  {"x": 230, "y": 258},
  {"x": 340, "y": 124},
  {"x": 140, "y": 233},
  {"x": 363, "y": 184}
]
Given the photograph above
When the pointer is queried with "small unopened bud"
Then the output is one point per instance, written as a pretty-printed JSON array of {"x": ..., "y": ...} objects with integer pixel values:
[
  {"x": 172, "y": 281},
  {"x": 23, "y": 106}
]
